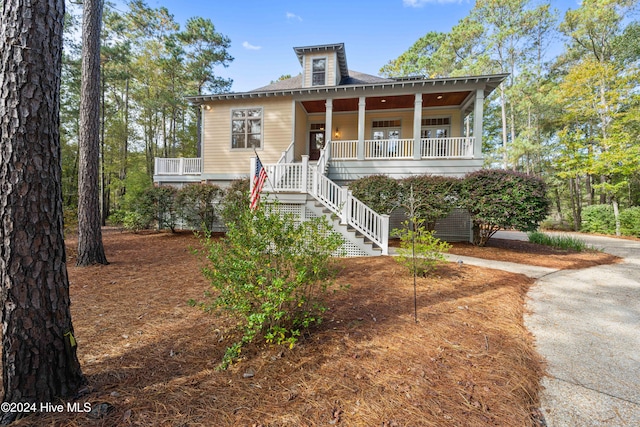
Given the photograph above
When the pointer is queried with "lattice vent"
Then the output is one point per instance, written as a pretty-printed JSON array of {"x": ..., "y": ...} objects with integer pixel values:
[{"x": 348, "y": 249}]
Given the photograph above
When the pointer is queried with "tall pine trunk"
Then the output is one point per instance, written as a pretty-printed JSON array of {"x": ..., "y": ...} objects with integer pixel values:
[
  {"x": 90, "y": 248},
  {"x": 39, "y": 362}
]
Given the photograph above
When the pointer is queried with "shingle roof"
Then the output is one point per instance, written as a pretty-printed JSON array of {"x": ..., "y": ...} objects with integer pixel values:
[{"x": 354, "y": 78}]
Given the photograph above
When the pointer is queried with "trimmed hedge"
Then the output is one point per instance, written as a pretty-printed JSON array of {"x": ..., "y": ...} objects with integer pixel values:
[{"x": 497, "y": 198}]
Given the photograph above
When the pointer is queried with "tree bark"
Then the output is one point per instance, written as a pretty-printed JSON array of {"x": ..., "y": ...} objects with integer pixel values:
[
  {"x": 39, "y": 362},
  {"x": 90, "y": 248}
]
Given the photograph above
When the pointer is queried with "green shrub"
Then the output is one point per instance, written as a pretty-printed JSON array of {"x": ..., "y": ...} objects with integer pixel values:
[
  {"x": 117, "y": 217},
  {"x": 630, "y": 221},
  {"x": 198, "y": 204},
  {"x": 598, "y": 219},
  {"x": 272, "y": 273},
  {"x": 134, "y": 221},
  {"x": 158, "y": 204},
  {"x": 497, "y": 198},
  {"x": 434, "y": 196},
  {"x": 379, "y": 192},
  {"x": 419, "y": 250},
  {"x": 235, "y": 200},
  {"x": 560, "y": 242}
]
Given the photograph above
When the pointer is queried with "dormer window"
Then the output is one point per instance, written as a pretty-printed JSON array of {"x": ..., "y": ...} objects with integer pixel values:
[{"x": 319, "y": 72}]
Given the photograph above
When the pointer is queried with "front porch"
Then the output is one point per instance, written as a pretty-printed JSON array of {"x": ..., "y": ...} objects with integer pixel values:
[{"x": 375, "y": 155}]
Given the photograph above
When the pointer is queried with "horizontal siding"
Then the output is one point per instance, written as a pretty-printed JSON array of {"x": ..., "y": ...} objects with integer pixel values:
[
  {"x": 219, "y": 158},
  {"x": 331, "y": 67}
]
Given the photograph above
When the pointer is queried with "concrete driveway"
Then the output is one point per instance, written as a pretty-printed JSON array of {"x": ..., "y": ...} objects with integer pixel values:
[{"x": 586, "y": 324}]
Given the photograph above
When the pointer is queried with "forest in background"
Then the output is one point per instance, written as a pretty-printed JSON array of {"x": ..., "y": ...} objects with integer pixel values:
[{"x": 569, "y": 111}]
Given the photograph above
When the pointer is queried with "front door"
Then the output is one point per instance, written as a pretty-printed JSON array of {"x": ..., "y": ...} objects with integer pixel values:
[{"x": 316, "y": 143}]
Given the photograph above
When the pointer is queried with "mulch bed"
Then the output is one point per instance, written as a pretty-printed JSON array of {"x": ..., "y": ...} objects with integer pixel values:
[{"x": 468, "y": 361}]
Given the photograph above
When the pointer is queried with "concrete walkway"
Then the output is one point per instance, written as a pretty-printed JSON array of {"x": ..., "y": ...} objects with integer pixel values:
[{"x": 586, "y": 324}]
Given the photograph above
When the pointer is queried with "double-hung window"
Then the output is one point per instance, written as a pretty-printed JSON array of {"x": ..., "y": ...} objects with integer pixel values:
[
  {"x": 318, "y": 71},
  {"x": 246, "y": 128}
]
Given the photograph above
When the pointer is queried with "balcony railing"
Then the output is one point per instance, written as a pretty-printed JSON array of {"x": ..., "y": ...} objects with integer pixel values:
[
  {"x": 430, "y": 148},
  {"x": 178, "y": 166}
]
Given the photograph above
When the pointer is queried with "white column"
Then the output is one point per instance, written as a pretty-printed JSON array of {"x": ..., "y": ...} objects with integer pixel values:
[
  {"x": 478, "y": 112},
  {"x": 417, "y": 127},
  {"x": 328, "y": 121},
  {"x": 361, "y": 115}
]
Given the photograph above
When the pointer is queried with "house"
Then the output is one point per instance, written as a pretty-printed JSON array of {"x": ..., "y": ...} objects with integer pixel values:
[{"x": 330, "y": 125}]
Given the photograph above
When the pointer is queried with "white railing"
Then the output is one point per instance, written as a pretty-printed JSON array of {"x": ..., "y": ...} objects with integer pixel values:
[
  {"x": 306, "y": 178},
  {"x": 287, "y": 155},
  {"x": 447, "y": 147},
  {"x": 386, "y": 149},
  {"x": 285, "y": 177},
  {"x": 364, "y": 219},
  {"x": 178, "y": 166},
  {"x": 344, "y": 149}
]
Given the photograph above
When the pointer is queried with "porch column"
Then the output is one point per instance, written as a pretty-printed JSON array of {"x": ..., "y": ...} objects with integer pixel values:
[
  {"x": 361, "y": 112},
  {"x": 478, "y": 112},
  {"x": 417, "y": 127},
  {"x": 328, "y": 121}
]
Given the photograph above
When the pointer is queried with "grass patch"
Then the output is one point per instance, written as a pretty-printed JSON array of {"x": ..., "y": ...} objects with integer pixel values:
[{"x": 560, "y": 242}]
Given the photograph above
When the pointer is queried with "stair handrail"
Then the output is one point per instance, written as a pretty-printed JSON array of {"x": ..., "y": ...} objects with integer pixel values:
[
  {"x": 287, "y": 155},
  {"x": 351, "y": 210}
]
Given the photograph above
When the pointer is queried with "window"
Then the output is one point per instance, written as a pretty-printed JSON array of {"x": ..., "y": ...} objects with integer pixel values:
[
  {"x": 387, "y": 132},
  {"x": 436, "y": 127},
  {"x": 246, "y": 128},
  {"x": 318, "y": 71}
]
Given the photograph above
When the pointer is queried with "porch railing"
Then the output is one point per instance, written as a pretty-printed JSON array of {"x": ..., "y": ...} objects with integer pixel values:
[
  {"x": 344, "y": 149},
  {"x": 447, "y": 147},
  {"x": 388, "y": 149},
  {"x": 430, "y": 148},
  {"x": 178, "y": 166}
]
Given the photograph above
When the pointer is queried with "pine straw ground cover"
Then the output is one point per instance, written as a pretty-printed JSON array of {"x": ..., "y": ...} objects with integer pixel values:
[{"x": 468, "y": 361}]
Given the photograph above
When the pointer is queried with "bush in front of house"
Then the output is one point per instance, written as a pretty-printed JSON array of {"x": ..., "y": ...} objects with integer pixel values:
[
  {"x": 434, "y": 197},
  {"x": 272, "y": 273},
  {"x": 497, "y": 198},
  {"x": 379, "y": 192},
  {"x": 198, "y": 205},
  {"x": 158, "y": 204},
  {"x": 235, "y": 200}
]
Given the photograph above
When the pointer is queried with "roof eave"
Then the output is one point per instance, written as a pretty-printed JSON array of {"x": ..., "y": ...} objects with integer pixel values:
[{"x": 491, "y": 83}]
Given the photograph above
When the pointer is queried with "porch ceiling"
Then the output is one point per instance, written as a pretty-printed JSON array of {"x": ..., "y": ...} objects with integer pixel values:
[{"x": 444, "y": 99}]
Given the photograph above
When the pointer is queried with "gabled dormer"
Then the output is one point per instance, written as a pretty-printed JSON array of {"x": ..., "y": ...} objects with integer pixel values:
[{"x": 322, "y": 65}]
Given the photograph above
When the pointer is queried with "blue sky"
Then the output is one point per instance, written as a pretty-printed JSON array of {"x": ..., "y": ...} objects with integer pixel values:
[{"x": 263, "y": 33}]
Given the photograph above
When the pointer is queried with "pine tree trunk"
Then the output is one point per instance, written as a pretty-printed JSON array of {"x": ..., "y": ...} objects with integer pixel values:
[
  {"x": 90, "y": 248},
  {"x": 39, "y": 362}
]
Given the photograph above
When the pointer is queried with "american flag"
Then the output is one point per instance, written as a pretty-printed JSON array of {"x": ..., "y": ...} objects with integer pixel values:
[{"x": 258, "y": 182}]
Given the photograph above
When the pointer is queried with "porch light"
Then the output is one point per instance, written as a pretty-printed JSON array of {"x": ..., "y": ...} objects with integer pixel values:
[
  {"x": 439, "y": 97},
  {"x": 207, "y": 107},
  {"x": 383, "y": 100},
  {"x": 337, "y": 134}
]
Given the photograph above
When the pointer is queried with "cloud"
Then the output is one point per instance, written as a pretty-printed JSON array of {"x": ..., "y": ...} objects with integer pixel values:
[
  {"x": 249, "y": 46},
  {"x": 293, "y": 16},
  {"x": 420, "y": 3}
]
